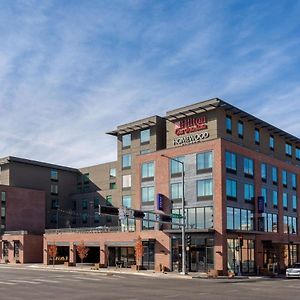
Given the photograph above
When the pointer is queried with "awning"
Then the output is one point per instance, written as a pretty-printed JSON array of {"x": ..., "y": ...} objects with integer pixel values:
[
  {"x": 59, "y": 244},
  {"x": 88, "y": 244},
  {"x": 120, "y": 244}
]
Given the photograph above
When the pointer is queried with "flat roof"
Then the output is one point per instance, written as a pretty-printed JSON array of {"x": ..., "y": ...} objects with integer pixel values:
[
  {"x": 136, "y": 125},
  {"x": 9, "y": 159},
  {"x": 214, "y": 103}
]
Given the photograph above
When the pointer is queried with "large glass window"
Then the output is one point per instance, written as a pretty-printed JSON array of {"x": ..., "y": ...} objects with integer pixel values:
[
  {"x": 148, "y": 170},
  {"x": 145, "y": 136},
  {"x": 148, "y": 194},
  {"x": 240, "y": 129},
  {"x": 126, "y": 161},
  {"x": 256, "y": 136},
  {"x": 294, "y": 202},
  {"x": 270, "y": 222},
  {"x": 126, "y": 140},
  {"x": 148, "y": 221},
  {"x": 294, "y": 181},
  {"x": 176, "y": 190},
  {"x": 126, "y": 182},
  {"x": 288, "y": 149},
  {"x": 248, "y": 192},
  {"x": 204, "y": 187},
  {"x": 230, "y": 161},
  {"x": 204, "y": 160},
  {"x": 54, "y": 174},
  {"x": 239, "y": 219},
  {"x": 298, "y": 153},
  {"x": 263, "y": 171},
  {"x": 285, "y": 200},
  {"x": 284, "y": 178},
  {"x": 274, "y": 175},
  {"x": 231, "y": 188},
  {"x": 271, "y": 142},
  {"x": 112, "y": 172},
  {"x": 126, "y": 201},
  {"x": 275, "y": 199},
  {"x": 289, "y": 225},
  {"x": 196, "y": 217},
  {"x": 264, "y": 193},
  {"x": 176, "y": 166},
  {"x": 228, "y": 124},
  {"x": 248, "y": 167}
]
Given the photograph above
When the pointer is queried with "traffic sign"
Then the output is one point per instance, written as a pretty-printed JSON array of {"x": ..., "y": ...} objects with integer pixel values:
[{"x": 176, "y": 216}]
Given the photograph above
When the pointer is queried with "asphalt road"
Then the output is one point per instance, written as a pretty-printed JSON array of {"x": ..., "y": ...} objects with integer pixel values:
[{"x": 54, "y": 284}]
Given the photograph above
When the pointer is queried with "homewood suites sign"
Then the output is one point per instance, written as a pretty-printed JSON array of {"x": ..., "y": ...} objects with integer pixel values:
[{"x": 189, "y": 126}]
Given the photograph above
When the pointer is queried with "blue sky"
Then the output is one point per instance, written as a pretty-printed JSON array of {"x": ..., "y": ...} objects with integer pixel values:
[{"x": 72, "y": 70}]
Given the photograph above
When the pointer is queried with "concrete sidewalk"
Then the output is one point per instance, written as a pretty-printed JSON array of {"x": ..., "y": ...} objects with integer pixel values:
[{"x": 87, "y": 268}]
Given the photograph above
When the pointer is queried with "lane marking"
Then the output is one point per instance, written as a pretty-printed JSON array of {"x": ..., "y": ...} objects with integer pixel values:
[
  {"x": 24, "y": 281},
  {"x": 8, "y": 283},
  {"x": 47, "y": 280}
]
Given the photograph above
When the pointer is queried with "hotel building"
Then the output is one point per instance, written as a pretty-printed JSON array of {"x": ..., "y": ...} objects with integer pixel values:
[{"x": 241, "y": 194}]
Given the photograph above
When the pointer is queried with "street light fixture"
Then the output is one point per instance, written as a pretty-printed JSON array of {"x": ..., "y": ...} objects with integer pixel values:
[{"x": 183, "y": 254}]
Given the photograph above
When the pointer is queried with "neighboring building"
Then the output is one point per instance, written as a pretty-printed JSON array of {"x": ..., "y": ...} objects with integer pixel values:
[{"x": 241, "y": 192}]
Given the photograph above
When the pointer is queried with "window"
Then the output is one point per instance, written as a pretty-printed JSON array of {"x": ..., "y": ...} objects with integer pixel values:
[
  {"x": 230, "y": 220},
  {"x": 145, "y": 136},
  {"x": 108, "y": 199},
  {"x": 96, "y": 218},
  {"x": 176, "y": 190},
  {"x": 289, "y": 225},
  {"x": 86, "y": 178},
  {"x": 176, "y": 166},
  {"x": 53, "y": 174},
  {"x": 271, "y": 142},
  {"x": 228, "y": 124},
  {"x": 145, "y": 151},
  {"x": 112, "y": 185},
  {"x": 239, "y": 219},
  {"x": 96, "y": 202},
  {"x": 263, "y": 172},
  {"x": 294, "y": 202},
  {"x": 204, "y": 188},
  {"x": 231, "y": 189},
  {"x": 148, "y": 170},
  {"x": 126, "y": 201},
  {"x": 285, "y": 201},
  {"x": 248, "y": 167},
  {"x": 264, "y": 193},
  {"x": 84, "y": 204},
  {"x": 148, "y": 221},
  {"x": 270, "y": 222},
  {"x": 126, "y": 161},
  {"x": 53, "y": 219},
  {"x": 84, "y": 218},
  {"x": 112, "y": 172},
  {"x": 274, "y": 175},
  {"x": 256, "y": 136},
  {"x": 148, "y": 194},
  {"x": 248, "y": 192},
  {"x": 294, "y": 181},
  {"x": 284, "y": 178},
  {"x": 54, "y": 204},
  {"x": 126, "y": 140},
  {"x": 204, "y": 161},
  {"x": 240, "y": 129},
  {"x": 230, "y": 162},
  {"x": 275, "y": 199},
  {"x": 298, "y": 153},
  {"x": 196, "y": 217},
  {"x": 126, "y": 181},
  {"x": 288, "y": 149},
  {"x": 54, "y": 189}
]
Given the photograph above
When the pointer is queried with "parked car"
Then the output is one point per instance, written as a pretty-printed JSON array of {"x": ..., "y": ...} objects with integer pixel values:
[{"x": 294, "y": 271}]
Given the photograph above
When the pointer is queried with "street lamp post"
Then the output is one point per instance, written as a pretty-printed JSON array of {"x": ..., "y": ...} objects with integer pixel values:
[{"x": 183, "y": 254}]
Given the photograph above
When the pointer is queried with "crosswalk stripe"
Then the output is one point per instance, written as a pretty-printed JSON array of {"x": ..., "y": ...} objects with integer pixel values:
[
  {"x": 47, "y": 280},
  {"x": 88, "y": 278},
  {"x": 8, "y": 283},
  {"x": 24, "y": 281}
]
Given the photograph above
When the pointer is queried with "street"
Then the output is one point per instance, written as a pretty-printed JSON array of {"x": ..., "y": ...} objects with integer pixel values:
[{"x": 25, "y": 283}]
